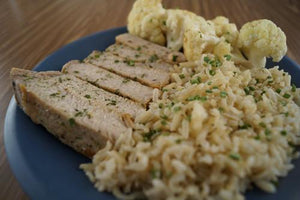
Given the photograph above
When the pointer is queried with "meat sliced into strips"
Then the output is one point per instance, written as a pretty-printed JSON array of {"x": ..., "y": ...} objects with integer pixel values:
[
  {"x": 63, "y": 110},
  {"x": 130, "y": 69},
  {"x": 150, "y": 48},
  {"x": 135, "y": 55},
  {"x": 110, "y": 81}
]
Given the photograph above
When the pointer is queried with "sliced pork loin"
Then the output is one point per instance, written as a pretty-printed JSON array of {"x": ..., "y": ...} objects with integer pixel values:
[
  {"x": 136, "y": 55},
  {"x": 150, "y": 48},
  {"x": 78, "y": 113},
  {"x": 128, "y": 68},
  {"x": 110, "y": 81}
]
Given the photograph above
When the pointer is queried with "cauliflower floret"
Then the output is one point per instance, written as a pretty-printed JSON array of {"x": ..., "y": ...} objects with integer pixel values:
[
  {"x": 260, "y": 39},
  {"x": 145, "y": 20},
  {"x": 226, "y": 30},
  {"x": 221, "y": 49},
  {"x": 178, "y": 21},
  {"x": 199, "y": 38},
  {"x": 174, "y": 28}
]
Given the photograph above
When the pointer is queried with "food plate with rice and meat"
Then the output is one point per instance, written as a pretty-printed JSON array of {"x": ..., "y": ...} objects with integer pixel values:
[{"x": 179, "y": 107}]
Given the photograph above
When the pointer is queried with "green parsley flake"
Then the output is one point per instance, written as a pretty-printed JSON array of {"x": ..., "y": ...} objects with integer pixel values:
[
  {"x": 197, "y": 80},
  {"x": 235, "y": 156},
  {"x": 209, "y": 91},
  {"x": 87, "y": 96},
  {"x": 174, "y": 59},
  {"x": 212, "y": 72},
  {"x": 223, "y": 94},
  {"x": 283, "y": 132},
  {"x": 227, "y": 57},
  {"x": 72, "y": 121},
  {"x": 147, "y": 137},
  {"x": 181, "y": 76},
  {"x": 153, "y": 58},
  {"x": 130, "y": 62},
  {"x": 267, "y": 132},
  {"x": 278, "y": 90},
  {"x": 206, "y": 59},
  {"x": 263, "y": 125},
  {"x": 286, "y": 95}
]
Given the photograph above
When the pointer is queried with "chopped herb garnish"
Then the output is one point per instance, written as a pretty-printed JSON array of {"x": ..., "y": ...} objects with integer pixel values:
[
  {"x": 247, "y": 90},
  {"x": 164, "y": 117},
  {"x": 54, "y": 94},
  {"x": 72, "y": 121},
  {"x": 163, "y": 122},
  {"x": 286, "y": 95},
  {"x": 251, "y": 88},
  {"x": 223, "y": 94},
  {"x": 263, "y": 125},
  {"x": 87, "y": 96},
  {"x": 227, "y": 57},
  {"x": 130, "y": 62},
  {"x": 126, "y": 80},
  {"x": 177, "y": 108},
  {"x": 178, "y": 141},
  {"x": 174, "y": 59},
  {"x": 197, "y": 98},
  {"x": 153, "y": 58},
  {"x": 111, "y": 102},
  {"x": 76, "y": 72},
  {"x": 165, "y": 90},
  {"x": 283, "y": 132},
  {"x": 164, "y": 23},
  {"x": 206, "y": 59},
  {"x": 60, "y": 80},
  {"x": 267, "y": 132},
  {"x": 215, "y": 87},
  {"x": 209, "y": 91},
  {"x": 286, "y": 114},
  {"x": 161, "y": 105},
  {"x": 155, "y": 173},
  {"x": 116, "y": 61},
  {"x": 257, "y": 137},
  {"x": 181, "y": 76},
  {"x": 278, "y": 90},
  {"x": 234, "y": 156},
  {"x": 97, "y": 56},
  {"x": 197, "y": 80},
  {"x": 209, "y": 83},
  {"x": 139, "y": 48},
  {"x": 148, "y": 136},
  {"x": 212, "y": 72},
  {"x": 221, "y": 109},
  {"x": 245, "y": 126}
]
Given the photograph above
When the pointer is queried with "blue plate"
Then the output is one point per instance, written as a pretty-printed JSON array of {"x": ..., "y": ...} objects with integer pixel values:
[{"x": 47, "y": 169}]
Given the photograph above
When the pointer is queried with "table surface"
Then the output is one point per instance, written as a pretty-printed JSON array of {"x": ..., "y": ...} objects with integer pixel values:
[{"x": 30, "y": 30}]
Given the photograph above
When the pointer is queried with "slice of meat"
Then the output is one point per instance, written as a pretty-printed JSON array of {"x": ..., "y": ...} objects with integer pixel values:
[
  {"x": 150, "y": 48},
  {"x": 132, "y": 54},
  {"x": 130, "y": 69},
  {"x": 110, "y": 81},
  {"x": 77, "y": 121}
]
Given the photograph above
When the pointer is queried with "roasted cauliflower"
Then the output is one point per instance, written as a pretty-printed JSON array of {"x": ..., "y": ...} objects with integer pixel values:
[{"x": 260, "y": 39}]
